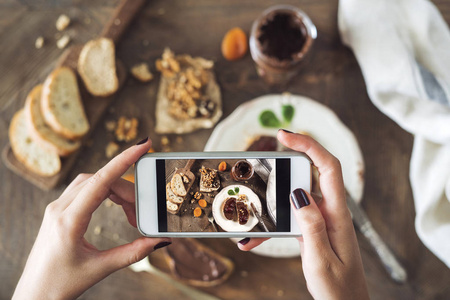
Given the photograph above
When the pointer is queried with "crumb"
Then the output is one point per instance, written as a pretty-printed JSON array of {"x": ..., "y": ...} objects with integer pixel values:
[
  {"x": 141, "y": 72},
  {"x": 165, "y": 141},
  {"x": 110, "y": 125},
  {"x": 126, "y": 129},
  {"x": 161, "y": 11},
  {"x": 97, "y": 230},
  {"x": 244, "y": 274},
  {"x": 117, "y": 22},
  {"x": 111, "y": 149},
  {"x": 63, "y": 42},
  {"x": 39, "y": 42},
  {"x": 280, "y": 293},
  {"x": 62, "y": 22},
  {"x": 115, "y": 236},
  {"x": 179, "y": 140}
]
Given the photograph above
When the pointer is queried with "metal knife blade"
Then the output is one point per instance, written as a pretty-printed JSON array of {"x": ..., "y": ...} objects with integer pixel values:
[
  {"x": 255, "y": 212},
  {"x": 390, "y": 262}
]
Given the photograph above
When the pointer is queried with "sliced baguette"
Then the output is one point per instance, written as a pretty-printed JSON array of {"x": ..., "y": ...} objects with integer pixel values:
[
  {"x": 172, "y": 207},
  {"x": 35, "y": 158},
  {"x": 177, "y": 185},
  {"x": 171, "y": 196},
  {"x": 97, "y": 67},
  {"x": 61, "y": 104},
  {"x": 40, "y": 132}
]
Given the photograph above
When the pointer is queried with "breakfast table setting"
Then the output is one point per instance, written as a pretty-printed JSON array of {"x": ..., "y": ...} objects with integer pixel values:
[{"x": 369, "y": 80}]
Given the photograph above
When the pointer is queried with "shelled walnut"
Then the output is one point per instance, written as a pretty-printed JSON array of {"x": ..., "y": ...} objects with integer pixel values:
[{"x": 126, "y": 129}]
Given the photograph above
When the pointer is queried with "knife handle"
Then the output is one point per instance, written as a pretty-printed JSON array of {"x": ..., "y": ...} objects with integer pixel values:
[{"x": 391, "y": 264}]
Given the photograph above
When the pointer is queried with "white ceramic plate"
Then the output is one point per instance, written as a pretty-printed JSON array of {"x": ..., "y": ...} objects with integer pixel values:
[
  {"x": 229, "y": 225},
  {"x": 311, "y": 117}
]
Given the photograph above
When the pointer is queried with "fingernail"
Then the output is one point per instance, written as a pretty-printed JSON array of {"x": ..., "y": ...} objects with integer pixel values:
[
  {"x": 287, "y": 131},
  {"x": 299, "y": 198},
  {"x": 244, "y": 241},
  {"x": 143, "y": 141},
  {"x": 161, "y": 245}
]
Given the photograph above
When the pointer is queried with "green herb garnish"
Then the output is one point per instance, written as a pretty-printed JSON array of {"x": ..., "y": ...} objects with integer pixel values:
[
  {"x": 236, "y": 190},
  {"x": 267, "y": 118},
  {"x": 231, "y": 192}
]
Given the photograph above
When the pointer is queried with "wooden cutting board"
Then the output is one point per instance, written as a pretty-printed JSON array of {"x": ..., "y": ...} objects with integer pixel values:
[{"x": 94, "y": 106}]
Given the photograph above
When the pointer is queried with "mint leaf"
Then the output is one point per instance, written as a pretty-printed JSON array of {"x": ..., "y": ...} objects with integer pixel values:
[
  {"x": 288, "y": 112},
  {"x": 236, "y": 190},
  {"x": 231, "y": 192},
  {"x": 268, "y": 119}
]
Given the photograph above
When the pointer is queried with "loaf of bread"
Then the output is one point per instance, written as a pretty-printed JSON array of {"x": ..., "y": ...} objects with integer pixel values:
[
  {"x": 61, "y": 104},
  {"x": 40, "y": 132},
  {"x": 177, "y": 185},
  {"x": 171, "y": 196},
  {"x": 34, "y": 157},
  {"x": 97, "y": 67}
]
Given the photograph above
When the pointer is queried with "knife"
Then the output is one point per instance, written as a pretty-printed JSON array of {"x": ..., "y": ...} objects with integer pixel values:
[
  {"x": 391, "y": 264},
  {"x": 255, "y": 212}
]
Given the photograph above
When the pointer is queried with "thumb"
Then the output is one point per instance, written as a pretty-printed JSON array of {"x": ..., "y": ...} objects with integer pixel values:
[
  {"x": 122, "y": 256},
  {"x": 314, "y": 239}
]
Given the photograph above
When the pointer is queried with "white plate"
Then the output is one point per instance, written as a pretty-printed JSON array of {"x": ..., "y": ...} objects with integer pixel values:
[
  {"x": 229, "y": 225},
  {"x": 310, "y": 116}
]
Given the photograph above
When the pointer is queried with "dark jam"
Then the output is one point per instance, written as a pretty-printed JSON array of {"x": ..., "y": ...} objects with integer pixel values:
[
  {"x": 229, "y": 209},
  {"x": 282, "y": 36},
  {"x": 243, "y": 213},
  {"x": 242, "y": 170}
]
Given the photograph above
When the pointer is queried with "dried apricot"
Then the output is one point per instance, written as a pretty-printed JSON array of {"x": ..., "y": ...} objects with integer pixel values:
[
  {"x": 129, "y": 177},
  {"x": 197, "y": 212},
  {"x": 234, "y": 44},
  {"x": 202, "y": 203},
  {"x": 222, "y": 166}
]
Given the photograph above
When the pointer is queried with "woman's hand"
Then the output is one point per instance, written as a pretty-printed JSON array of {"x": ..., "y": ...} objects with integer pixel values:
[
  {"x": 62, "y": 264},
  {"x": 330, "y": 254}
]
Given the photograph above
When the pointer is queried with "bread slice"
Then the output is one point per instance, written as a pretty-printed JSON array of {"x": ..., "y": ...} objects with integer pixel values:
[
  {"x": 40, "y": 132},
  {"x": 177, "y": 185},
  {"x": 97, "y": 67},
  {"x": 61, "y": 104},
  {"x": 35, "y": 158},
  {"x": 172, "y": 207},
  {"x": 171, "y": 196}
]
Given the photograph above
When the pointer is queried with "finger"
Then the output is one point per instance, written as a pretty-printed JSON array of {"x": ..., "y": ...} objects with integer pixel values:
[
  {"x": 99, "y": 185},
  {"x": 312, "y": 226},
  {"x": 125, "y": 255},
  {"x": 248, "y": 244},
  {"x": 331, "y": 181},
  {"x": 76, "y": 182},
  {"x": 128, "y": 208},
  {"x": 124, "y": 189}
]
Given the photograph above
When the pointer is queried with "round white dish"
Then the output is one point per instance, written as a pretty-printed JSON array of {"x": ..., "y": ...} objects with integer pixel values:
[
  {"x": 310, "y": 116},
  {"x": 230, "y": 225}
]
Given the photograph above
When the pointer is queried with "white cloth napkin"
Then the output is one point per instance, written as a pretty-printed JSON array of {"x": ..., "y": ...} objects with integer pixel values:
[{"x": 403, "y": 49}]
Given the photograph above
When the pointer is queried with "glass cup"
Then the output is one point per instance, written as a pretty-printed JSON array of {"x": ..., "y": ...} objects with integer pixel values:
[
  {"x": 242, "y": 170},
  {"x": 284, "y": 29}
]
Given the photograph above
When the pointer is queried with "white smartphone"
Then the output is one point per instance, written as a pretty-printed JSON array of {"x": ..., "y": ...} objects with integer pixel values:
[{"x": 219, "y": 194}]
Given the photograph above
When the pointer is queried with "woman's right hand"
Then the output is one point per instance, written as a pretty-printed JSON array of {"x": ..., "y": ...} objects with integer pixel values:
[{"x": 331, "y": 260}]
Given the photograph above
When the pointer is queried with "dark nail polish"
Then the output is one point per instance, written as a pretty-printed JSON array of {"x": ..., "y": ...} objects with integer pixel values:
[
  {"x": 287, "y": 131},
  {"x": 143, "y": 141},
  {"x": 161, "y": 245},
  {"x": 299, "y": 198},
  {"x": 244, "y": 241}
]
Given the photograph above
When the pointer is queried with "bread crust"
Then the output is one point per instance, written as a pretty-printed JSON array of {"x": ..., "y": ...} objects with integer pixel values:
[
  {"x": 45, "y": 136},
  {"x": 21, "y": 153},
  {"x": 48, "y": 105}
]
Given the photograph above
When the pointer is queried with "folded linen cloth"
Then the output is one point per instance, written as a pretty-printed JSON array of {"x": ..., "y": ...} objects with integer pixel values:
[{"x": 403, "y": 49}]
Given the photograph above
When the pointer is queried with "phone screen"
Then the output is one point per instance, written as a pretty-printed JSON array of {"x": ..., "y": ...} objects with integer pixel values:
[{"x": 224, "y": 195}]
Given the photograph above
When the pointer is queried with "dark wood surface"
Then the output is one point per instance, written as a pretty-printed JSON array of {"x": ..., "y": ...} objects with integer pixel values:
[{"x": 330, "y": 75}]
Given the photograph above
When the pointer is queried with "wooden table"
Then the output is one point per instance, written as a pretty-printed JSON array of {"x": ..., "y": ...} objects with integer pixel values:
[{"x": 331, "y": 76}]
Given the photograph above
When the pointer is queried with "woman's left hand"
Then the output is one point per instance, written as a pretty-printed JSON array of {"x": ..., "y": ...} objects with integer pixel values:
[{"x": 62, "y": 263}]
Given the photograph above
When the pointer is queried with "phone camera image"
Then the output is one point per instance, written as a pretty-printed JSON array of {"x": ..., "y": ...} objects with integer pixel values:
[{"x": 222, "y": 195}]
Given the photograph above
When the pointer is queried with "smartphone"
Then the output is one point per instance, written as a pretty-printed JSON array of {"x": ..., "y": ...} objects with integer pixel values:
[{"x": 219, "y": 194}]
